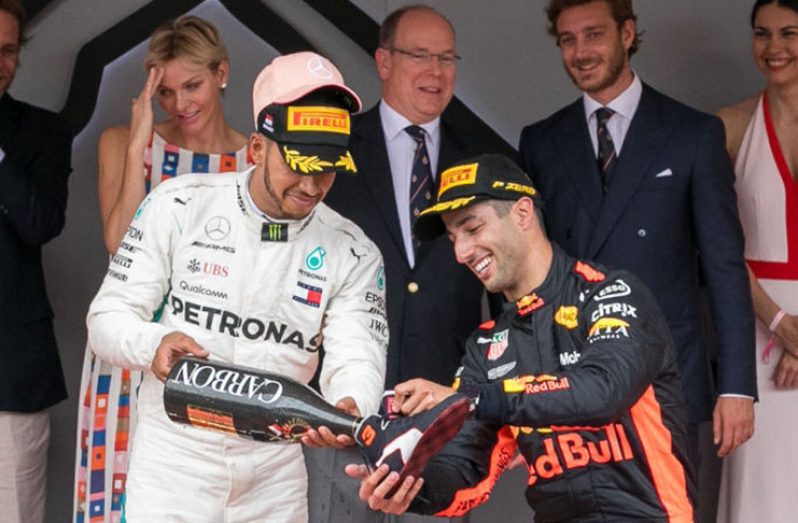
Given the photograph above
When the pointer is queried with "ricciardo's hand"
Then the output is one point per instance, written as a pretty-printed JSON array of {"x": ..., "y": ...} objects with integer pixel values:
[
  {"x": 375, "y": 487},
  {"x": 174, "y": 346},
  {"x": 418, "y": 395}
]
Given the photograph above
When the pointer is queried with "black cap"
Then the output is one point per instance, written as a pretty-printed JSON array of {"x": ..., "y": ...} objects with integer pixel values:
[
  {"x": 311, "y": 132},
  {"x": 484, "y": 177}
]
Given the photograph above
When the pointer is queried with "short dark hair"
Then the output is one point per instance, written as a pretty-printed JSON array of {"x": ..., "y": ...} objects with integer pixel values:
[
  {"x": 622, "y": 11},
  {"x": 789, "y": 4},
  {"x": 17, "y": 10},
  {"x": 391, "y": 22}
]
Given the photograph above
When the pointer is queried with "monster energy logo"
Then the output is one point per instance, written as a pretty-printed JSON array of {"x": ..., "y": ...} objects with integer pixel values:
[{"x": 274, "y": 232}]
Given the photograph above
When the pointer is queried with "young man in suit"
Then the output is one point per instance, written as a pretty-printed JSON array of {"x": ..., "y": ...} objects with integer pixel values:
[
  {"x": 35, "y": 149},
  {"x": 399, "y": 146},
  {"x": 636, "y": 180}
]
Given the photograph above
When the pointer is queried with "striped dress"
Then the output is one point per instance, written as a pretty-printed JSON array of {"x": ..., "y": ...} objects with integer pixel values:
[{"x": 107, "y": 410}]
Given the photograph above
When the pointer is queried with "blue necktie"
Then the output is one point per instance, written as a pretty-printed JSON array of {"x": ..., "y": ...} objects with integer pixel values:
[
  {"x": 606, "y": 149},
  {"x": 420, "y": 176}
]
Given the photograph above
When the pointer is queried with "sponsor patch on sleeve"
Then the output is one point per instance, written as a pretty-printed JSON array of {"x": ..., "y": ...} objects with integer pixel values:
[
  {"x": 608, "y": 328},
  {"x": 566, "y": 316},
  {"x": 588, "y": 273}
]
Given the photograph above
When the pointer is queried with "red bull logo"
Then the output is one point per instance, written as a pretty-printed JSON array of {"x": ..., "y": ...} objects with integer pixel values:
[
  {"x": 612, "y": 446},
  {"x": 535, "y": 384}
]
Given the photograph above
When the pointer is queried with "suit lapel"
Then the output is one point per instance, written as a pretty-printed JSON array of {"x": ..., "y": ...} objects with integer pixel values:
[
  {"x": 646, "y": 135},
  {"x": 573, "y": 143},
  {"x": 8, "y": 118},
  {"x": 376, "y": 171}
]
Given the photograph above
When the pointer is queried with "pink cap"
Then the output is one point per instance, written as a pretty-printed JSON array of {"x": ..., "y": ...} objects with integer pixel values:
[{"x": 292, "y": 76}]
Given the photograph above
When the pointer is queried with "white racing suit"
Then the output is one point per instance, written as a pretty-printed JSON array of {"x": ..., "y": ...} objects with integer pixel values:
[{"x": 201, "y": 258}]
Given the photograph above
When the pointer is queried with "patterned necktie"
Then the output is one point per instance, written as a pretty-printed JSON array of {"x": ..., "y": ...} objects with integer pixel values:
[
  {"x": 420, "y": 176},
  {"x": 606, "y": 149}
]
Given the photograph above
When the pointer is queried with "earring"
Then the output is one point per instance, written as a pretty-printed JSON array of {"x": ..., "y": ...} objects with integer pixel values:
[{"x": 224, "y": 85}]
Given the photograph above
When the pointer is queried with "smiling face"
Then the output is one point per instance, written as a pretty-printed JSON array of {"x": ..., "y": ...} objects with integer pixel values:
[
  {"x": 191, "y": 94},
  {"x": 775, "y": 43},
  {"x": 9, "y": 49},
  {"x": 418, "y": 91},
  {"x": 595, "y": 49},
  {"x": 492, "y": 246},
  {"x": 277, "y": 190}
]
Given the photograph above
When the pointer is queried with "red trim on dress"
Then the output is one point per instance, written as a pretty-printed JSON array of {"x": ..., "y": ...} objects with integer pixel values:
[{"x": 781, "y": 270}]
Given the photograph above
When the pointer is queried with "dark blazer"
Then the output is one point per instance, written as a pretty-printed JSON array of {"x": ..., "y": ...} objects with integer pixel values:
[
  {"x": 670, "y": 198},
  {"x": 428, "y": 327},
  {"x": 33, "y": 196}
]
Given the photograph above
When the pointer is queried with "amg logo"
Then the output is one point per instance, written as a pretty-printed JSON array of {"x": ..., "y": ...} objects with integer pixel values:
[
  {"x": 229, "y": 381},
  {"x": 231, "y": 324},
  {"x": 225, "y": 248}
]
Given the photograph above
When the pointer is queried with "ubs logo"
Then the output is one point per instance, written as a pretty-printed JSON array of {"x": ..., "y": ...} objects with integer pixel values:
[{"x": 217, "y": 228}]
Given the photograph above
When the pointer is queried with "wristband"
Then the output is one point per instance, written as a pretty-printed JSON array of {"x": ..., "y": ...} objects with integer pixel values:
[
  {"x": 776, "y": 320},
  {"x": 772, "y": 341}
]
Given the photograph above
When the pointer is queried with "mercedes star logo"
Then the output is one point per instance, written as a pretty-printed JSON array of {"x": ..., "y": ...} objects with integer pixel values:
[
  {"x": 217, "y": 228},
  {"x": 319, "y": 68}
]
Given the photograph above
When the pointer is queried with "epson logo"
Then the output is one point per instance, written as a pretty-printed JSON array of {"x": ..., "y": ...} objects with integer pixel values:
[{"x": 228, "y": 381}]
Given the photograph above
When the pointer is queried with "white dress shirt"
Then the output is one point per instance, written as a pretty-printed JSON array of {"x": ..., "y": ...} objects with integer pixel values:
[
  {"x": 401, "y": 150},
  {"x": 624, "y": 105}
]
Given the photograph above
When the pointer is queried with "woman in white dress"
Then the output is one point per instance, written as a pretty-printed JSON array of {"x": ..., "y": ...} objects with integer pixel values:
[
  {"x": 187, "y": 69},
  {"x": 758, "y": 481}
]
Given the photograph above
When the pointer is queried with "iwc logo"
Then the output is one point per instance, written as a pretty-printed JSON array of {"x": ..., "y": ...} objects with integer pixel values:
[{"x": 217, "y": 228}]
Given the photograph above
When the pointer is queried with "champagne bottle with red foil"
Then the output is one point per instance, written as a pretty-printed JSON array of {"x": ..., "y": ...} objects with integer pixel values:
[{"x": 249, "y": 402}]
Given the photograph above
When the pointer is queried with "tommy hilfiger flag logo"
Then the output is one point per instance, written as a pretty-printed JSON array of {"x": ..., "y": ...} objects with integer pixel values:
[{"x": 308, "y": 294}]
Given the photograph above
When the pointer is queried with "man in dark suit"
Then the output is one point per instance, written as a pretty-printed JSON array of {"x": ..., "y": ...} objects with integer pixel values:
[
  {"x": 433, "y": 302},
  {"x": 35, "y": 148},
  {"x": 636, "y": 180}
]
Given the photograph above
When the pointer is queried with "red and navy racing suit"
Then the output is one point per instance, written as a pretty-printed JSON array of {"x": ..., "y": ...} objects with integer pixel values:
[{"x": 581, "y": 377}]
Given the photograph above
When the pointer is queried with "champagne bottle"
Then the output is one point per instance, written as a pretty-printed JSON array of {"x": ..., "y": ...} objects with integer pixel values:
[{"x": 252, "y": 403}]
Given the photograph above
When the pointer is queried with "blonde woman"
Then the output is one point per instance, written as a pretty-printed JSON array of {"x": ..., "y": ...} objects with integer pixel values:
[{"x": 187, "y": 71}]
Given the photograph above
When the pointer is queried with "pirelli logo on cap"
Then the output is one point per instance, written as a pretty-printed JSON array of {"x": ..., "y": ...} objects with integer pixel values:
[
  {"x": 460, "y": 175},
  {"x": 318, "y": 119}
]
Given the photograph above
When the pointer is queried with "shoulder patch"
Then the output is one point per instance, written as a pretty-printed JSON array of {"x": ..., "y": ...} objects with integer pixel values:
[
  {"x": 488, "y": 325},
  {"x": 588, "y": 273}
]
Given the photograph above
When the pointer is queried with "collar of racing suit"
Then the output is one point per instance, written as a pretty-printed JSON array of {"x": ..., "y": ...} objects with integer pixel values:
[
  {"x": 546, "y": 291},
  {"x": 271, "y": 229}
]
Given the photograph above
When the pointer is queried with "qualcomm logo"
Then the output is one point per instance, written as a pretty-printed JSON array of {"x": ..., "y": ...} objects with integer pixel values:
[{"x": 315, "y": 260}]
